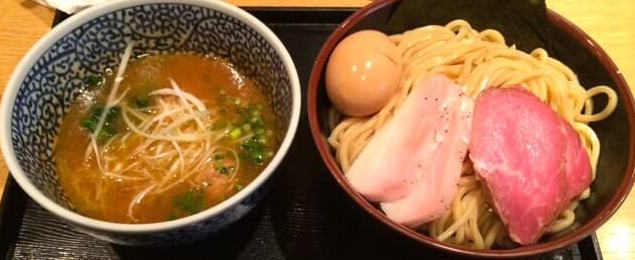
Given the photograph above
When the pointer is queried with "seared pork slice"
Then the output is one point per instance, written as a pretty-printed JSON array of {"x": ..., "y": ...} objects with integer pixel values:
[
  {"x": 438, "y": 169},
  {"x": 393, "y": 161},
  {"x": 518, "y": 148}
]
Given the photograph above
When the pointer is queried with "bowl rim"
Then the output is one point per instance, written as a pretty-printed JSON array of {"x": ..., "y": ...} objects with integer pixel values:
[
  {"x": 73, "y": 22},
  {"x": 578, "y": 234}
]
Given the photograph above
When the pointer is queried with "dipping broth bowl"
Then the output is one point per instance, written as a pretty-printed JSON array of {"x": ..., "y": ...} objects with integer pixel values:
[{"x": 48, "y": 79}]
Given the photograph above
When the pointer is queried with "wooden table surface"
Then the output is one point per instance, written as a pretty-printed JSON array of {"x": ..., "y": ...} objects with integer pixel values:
[{"x": 610, "y": 22}]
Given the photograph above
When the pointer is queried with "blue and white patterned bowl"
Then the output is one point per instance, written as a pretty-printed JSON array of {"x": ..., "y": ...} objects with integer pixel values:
[{"x": 47, "y": 80}]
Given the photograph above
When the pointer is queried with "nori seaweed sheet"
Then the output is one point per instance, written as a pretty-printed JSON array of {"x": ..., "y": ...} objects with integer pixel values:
[{"x": 522, "y": 22}]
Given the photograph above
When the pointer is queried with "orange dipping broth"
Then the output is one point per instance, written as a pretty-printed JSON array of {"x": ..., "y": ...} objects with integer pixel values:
[{"x": 239, "y": 111}]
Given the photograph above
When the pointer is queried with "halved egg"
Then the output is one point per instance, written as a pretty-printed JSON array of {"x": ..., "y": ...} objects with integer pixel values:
[{"x": 363, "y": 73}]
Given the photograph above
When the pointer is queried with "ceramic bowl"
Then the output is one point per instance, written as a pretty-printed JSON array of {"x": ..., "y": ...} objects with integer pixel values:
[
  {"x": 46, "y": 81},
  {"x": 615, "y": 174}
]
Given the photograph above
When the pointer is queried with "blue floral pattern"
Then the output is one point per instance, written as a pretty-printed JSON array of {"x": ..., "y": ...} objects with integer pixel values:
[{"x": 54, "y": 81}]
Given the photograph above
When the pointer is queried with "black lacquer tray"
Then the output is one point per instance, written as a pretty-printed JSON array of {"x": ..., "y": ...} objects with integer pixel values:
[{"x": 304, "y": 216}]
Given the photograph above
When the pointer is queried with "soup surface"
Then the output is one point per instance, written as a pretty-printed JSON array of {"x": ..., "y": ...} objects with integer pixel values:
[{"x": 181, "y": 133}]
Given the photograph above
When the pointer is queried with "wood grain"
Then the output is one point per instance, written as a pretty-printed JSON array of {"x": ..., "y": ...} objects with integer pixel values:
[
  {"x": 610, "y": 22},
  {"x": 22, "y": 23}
]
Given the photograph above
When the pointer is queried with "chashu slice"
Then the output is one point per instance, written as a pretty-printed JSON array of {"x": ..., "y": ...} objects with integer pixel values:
[
  {"x": 439, "y": 167},
  {"x": 413, "y": 163},
  {"x": 518, "y": 148}
]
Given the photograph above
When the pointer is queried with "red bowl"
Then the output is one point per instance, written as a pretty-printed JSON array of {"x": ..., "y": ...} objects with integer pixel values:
[{"x": 615, "y": 168}]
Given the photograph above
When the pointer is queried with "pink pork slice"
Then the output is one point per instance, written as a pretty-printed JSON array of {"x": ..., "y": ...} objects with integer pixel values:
[
  {"x": 415, "y": 159},
  {"x": 517, "y": 148},
  {"x": 439, "y": 168}
]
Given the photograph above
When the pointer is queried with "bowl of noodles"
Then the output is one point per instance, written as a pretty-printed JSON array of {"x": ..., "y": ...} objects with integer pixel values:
[
  {"x": 467, "y": 141},
  {"x": 151, "y": 122}
]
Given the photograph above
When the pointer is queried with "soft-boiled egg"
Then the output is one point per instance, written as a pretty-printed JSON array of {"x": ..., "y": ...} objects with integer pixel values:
[{"x": 363, "y": 73}]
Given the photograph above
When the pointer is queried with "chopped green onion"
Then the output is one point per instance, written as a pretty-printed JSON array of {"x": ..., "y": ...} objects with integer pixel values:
[
  {"x": 107, "y": 130},
  {"x": 239, "y": 187},
  {"x": 236, "y": 133},
  {"x": 258, "y": 158},
  {"x": 89, "y": 123},
  {"x": 253, "y": 150},
  {"x": 190, "y": 202},
  {"x": 93, "y": 81}
]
